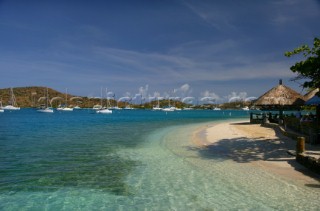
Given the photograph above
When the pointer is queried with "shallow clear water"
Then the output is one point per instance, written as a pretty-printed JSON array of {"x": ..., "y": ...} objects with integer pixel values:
[{"x": 129, "y": 160}]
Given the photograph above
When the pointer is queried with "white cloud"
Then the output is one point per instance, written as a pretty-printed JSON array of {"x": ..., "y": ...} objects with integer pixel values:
[{"x": 160, "y": 67}]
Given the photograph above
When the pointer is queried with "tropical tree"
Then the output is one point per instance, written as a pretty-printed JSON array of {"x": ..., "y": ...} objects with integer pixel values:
[{"x": 308, "y": 69}]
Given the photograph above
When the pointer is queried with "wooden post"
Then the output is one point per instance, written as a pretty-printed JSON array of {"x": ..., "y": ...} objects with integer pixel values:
[
  {"x": 318, "y": 115},
  {"x": 300, "y": 145}
]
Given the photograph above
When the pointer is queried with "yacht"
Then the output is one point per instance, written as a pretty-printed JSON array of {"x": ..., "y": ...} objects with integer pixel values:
[
  {"x": 246, "y": 108},
  {"x": 1, "y": 109},
  {"x": 46, "y": 108},
  {"x": 156, "y": 108},
  {"x": 65, "y": 107},
  {"x": 169, "y": 109},
  {"x": 13, "y": 103},
  {"x": 102, "y": 110}
]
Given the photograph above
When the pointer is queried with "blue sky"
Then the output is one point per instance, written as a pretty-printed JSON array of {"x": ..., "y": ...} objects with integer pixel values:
[{"x": 206, "y": 49}]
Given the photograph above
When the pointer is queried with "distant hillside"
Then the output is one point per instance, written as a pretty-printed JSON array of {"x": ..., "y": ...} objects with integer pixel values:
[{"x": 30, "y": 97}]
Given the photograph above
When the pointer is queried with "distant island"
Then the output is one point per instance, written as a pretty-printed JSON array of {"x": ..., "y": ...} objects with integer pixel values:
[{"x": 32, "y": 97}]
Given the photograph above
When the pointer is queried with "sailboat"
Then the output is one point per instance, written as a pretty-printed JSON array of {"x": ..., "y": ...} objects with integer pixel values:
[
  {"x": 46, "y": 108},
  {"x": 169, "y": 108},
  {"x": 12, "y": 102},
  {"x": 103, "y": 110},
  {"x": 77, "y": 107},
  {"x": 65, "y": 107},
  {"x": 1, "y": 109},
  {"x": 157, "y": 108}
]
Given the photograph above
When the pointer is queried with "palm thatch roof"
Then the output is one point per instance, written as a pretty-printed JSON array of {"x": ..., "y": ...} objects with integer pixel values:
[
  {"x": 280, "y": 96},
  {"x": 310, "y": 94}
]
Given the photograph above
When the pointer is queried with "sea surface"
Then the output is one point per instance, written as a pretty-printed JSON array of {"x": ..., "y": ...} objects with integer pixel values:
[{"x": 130, "y": 160}]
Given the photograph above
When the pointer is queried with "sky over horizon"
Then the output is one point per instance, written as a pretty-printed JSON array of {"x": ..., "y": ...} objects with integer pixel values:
[{"x": 216, "y": 50}]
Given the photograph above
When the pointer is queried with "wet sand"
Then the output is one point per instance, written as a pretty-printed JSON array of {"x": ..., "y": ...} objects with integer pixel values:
[{"x": 252, "y": 144}]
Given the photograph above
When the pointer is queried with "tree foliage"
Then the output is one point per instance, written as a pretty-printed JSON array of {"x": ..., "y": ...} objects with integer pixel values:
[{"x": 308, "y": 69}]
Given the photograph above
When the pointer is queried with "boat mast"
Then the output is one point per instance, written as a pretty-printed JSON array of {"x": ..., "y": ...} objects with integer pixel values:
[
  {"x": 101, "y": 98},
  {"x": 12, "y": 98},
  {"x": 66, "y": 103},
  {"x": 108, "y": 103},
  {"x": 47, "y": 98}
]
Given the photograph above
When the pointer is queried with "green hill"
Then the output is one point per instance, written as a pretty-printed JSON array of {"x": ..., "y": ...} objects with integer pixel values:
[{"x": 30, "y": 97}]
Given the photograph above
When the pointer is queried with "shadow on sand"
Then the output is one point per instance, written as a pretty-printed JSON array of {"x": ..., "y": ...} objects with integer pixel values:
[{"x": 246, "y": 150}]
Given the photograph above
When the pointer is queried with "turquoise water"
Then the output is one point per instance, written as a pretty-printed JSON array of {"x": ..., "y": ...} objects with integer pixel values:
[{"x": 129, "y": 160}]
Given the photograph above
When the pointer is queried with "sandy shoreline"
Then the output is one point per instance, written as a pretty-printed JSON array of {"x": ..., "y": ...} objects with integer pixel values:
[{"x": 252, "y": 144}]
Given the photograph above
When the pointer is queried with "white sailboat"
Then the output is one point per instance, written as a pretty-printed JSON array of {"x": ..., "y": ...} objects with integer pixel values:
[
  {"x": 12, "y": 102},
  {"x": 103, "y": 110},
  {"x": 246, "y": 108},
  {"x": 157, "y": 108},
  {"x": 115, "y": 107},
  {"x": 1, "y": 109},
  {"x": 46, "y": 108},
  {"x": 169, "y": 108},
  {"x": 65, "y": 107},
  {"x": 77, "y": 107}
]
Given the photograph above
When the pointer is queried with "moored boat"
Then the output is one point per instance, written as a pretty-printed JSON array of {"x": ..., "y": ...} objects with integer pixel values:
[
  {"x": 100, "y": 109},
  {"x": 12, "y": 102},
  {"x": 65, "y": 107},
  {"x": 104, "y": 111},
  {"x": 46, "y": 108},
  {"x": 1, "y": 109},
  {"x": 168, "y": 109}
]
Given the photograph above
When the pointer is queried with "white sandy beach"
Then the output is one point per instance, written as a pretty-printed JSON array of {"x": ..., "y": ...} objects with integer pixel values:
[{"x": 252, "y": 144}]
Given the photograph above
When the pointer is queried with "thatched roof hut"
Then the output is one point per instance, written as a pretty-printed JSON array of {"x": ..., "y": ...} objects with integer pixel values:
[
  {"x": 310, "y": 94},
  {"x": 280, "y": 96}
]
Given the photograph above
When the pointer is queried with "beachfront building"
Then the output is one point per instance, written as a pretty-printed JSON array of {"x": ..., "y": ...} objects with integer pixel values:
[{"x": 280, "y": 98}]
